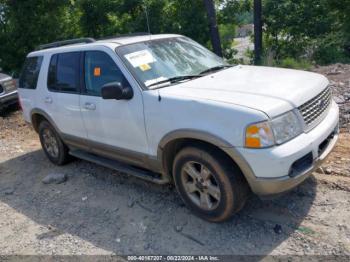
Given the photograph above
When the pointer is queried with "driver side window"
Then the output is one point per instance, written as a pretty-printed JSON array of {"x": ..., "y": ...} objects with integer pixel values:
[{"x": 100, "y": 69}]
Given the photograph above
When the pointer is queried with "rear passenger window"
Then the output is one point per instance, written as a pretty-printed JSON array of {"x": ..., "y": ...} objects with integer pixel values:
[
  {"x": 30, "y": 73},
  {"x": 64, "y": 72}
]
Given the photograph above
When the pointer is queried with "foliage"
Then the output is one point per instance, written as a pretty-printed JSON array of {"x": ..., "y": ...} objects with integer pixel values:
[
  {"x": 307, "y": 29},
  {"x": 232, "y": 13},
  {"x": 331, "y": 48},
  {"x": 227, "y": 34},
  {"x": 24, "y": 27},
  {"x": 294, "y": 64},
  {"x": 312, "y": 30},
  {"x": 26, "y": 24},
  {"x": 342, "y": 11},
  {"x": 97, "y": 18},
  {"x": 235, "y": 12},
  {"x": 268, "y": 59}
]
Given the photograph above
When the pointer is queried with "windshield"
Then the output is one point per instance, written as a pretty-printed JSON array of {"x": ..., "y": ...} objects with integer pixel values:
[{"x": 158, "y": 60}]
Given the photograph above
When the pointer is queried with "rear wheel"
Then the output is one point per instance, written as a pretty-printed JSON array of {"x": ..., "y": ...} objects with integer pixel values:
[
  {"x": 52, "y": 144},
  {"x": 213, "y": 188}
]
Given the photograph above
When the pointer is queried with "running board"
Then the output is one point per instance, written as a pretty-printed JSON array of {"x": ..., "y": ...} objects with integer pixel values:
[{"x": 121, "y": 167}]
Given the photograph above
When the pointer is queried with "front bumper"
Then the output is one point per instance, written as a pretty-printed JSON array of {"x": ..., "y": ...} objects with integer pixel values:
[
  {"x": 8, "y": 99},
  {"x": 267, "y": 187},
  {"x": 276, "y": 170}
]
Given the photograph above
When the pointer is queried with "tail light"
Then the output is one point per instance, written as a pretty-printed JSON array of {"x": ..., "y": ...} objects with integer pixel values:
[{"x": 14, "y": 82}]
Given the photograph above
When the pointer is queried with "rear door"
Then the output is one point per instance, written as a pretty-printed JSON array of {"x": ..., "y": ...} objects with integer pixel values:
[
  {"x": 115, "y": 128},
  {"x": 62, "y": 97}
]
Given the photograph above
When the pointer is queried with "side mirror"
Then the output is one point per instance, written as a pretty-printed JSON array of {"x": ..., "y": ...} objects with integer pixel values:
[{"x": 116, "y": 90}]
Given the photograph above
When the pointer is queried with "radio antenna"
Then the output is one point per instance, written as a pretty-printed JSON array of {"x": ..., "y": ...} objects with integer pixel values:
[{"x": 147, "y": 18}]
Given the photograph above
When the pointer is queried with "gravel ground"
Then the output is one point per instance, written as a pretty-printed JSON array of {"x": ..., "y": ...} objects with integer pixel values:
[
  {"x": 97, "y": 211},
  {"x": 339, "y": 76}
]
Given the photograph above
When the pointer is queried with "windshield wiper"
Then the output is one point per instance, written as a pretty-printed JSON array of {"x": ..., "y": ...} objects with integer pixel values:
[
  {"x": 175, "y": 79},
  {"x": 215, "y": 68}
]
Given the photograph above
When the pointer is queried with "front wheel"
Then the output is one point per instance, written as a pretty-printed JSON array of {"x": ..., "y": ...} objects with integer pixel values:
[{"x": 210, "y": 186}]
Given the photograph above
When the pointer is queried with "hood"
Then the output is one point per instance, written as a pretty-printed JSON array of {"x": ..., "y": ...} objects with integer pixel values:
[
  {"x": 4, "y": 76},
  {"x": 271, "y": 90}
]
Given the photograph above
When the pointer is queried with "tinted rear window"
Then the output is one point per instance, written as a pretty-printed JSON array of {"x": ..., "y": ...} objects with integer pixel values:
[
  {"x": 64, "y": 72},
  {"x": 30, "y": 73}
]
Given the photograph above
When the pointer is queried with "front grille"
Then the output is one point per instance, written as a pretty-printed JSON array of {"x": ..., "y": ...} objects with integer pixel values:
[
  {"x": 1, "y": 89},
  {"x": 315, "y": 110}
]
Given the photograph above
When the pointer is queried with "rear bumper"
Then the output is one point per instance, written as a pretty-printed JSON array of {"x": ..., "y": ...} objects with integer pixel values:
[
  {"x": 8, "y": 99},
  {"x": 278, "y": 169}
]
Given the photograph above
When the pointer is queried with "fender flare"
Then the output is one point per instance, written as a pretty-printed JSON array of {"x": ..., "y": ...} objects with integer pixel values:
[
  {"x": 207, "y": 137},
  {"x": 45, "y": 115},
  {"x": 193, "y": 134}
]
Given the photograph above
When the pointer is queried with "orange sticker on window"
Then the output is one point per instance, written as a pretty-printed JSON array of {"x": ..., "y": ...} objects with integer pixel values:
[{"x": 97, "y": 71}]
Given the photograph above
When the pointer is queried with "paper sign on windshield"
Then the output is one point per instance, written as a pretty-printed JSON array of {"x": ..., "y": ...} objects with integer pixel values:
[{"x": 139, "y": 58}]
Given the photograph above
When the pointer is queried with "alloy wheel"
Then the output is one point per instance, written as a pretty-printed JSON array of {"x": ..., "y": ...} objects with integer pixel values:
[
  {"x": 200, "y": 185},
  {"x": 50, "y": 143}
]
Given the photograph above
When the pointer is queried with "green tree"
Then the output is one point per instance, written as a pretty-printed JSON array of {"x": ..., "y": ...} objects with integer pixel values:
[
  {"x": 235, "y": 12},
  {"x": 113, "y": 17},
  {"x": 95, "y": 20},
  {"x": 311, "y": 29},
  {"x": 27, "y": 24},
  {"x": 342, "y": 11}
]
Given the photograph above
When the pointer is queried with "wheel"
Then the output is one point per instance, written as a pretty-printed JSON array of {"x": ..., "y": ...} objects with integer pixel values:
[
  {"x": 52, "y": 144},
  {"x": 212, "y": 187}
]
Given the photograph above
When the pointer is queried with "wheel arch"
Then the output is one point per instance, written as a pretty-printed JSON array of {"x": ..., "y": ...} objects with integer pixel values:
[
  {"x": 174, "y": 141},
  {"x": 37, "y": 115}
]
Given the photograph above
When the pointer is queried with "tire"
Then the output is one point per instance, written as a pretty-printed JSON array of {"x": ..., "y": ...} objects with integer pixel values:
[
  {"x": 223, "y": 191},
  {"x": 53, "y": 146}
]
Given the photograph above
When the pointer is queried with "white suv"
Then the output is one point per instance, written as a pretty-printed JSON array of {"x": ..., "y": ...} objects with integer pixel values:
[{"x": 166, "y": 109}]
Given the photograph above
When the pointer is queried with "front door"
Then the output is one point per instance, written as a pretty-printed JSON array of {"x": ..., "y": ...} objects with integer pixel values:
[{"x": 115, "y": 128}]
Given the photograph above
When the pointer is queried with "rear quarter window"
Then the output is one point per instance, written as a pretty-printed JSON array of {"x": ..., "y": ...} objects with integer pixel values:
[{"x": 30, "y": 72}]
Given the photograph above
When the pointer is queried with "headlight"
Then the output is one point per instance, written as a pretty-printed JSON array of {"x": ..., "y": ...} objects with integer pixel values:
[
  {"x": 259, "y": 135},
  {"x": 286, "y": 127},
  {"x": 277, "y": 131}
]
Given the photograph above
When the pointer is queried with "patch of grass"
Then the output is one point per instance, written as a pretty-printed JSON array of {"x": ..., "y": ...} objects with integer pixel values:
[{"x": 294, "y": 64}]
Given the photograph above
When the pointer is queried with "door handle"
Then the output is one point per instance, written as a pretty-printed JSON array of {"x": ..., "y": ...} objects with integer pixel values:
[
  {"x": 48, "y": 100},
  {"x": 90, "y": 106}
]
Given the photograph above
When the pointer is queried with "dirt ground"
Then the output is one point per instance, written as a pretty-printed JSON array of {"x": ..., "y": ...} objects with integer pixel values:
[{"x": 97, "y": 211}]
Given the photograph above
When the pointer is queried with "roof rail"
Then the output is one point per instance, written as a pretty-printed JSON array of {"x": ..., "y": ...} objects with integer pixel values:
[
  {"x": 66, "y": 42},
  {"x": 124, "y": 35}
]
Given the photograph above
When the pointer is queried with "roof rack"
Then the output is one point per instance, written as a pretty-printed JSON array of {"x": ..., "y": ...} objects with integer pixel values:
[
  {"x": 66, "y": 42},
  {"x": 125, "y": 35}
]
